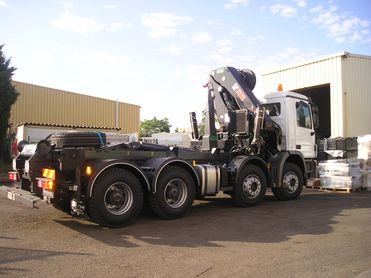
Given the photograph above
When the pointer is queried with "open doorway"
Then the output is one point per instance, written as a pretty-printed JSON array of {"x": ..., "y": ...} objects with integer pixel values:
[{"x": 320, "y": 95}]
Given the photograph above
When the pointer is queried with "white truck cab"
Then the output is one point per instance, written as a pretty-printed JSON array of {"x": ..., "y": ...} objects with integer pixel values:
[{"x": 293, "y": 112}]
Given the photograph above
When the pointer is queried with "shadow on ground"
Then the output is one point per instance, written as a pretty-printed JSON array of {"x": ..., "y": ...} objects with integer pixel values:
[
  {"x": 14, "y": 255},
  {"x": 215, "y": 220}
]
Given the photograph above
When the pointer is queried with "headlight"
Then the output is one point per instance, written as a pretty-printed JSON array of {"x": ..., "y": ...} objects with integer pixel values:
[
  {"x": 14, "y": 164},
  {"x": 26, "y": 167}
]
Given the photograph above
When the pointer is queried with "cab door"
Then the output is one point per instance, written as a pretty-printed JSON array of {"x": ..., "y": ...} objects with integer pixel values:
[{"x": 304, "y": 129}]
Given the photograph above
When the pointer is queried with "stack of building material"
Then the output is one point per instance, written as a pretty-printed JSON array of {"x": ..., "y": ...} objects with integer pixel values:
[
  {"x": 364, "y": 156},
  {"x": 337, "y": 148},
  {"x": 340, "y": 175}
]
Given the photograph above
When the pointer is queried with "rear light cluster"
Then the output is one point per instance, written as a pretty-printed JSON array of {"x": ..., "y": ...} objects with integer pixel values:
[
  {"x": 47, "y": 181},
  {"x": 13, "y": 176}
]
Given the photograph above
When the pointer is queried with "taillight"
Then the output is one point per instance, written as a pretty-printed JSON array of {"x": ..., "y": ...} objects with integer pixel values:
[
  {"x": 48, "y": 173},
  {"x": 88, "y": 170},
  {"x": 47, "y": 181},
  {"x": 13, "y": 176},
  {"x": 47, "y": 184}
]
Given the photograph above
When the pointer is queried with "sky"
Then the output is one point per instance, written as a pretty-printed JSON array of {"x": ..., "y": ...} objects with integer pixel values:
[{"x": 158, "y": 54}]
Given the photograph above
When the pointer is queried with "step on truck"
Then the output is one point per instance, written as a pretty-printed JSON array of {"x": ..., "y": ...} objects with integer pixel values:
[{"x": 247, "y": 147}]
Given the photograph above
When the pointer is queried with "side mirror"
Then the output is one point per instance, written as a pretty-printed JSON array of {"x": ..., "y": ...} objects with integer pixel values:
[{"x": 315, "y": 114}]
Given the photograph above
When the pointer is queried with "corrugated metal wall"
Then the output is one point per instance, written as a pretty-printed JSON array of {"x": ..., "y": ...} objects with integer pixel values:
[
  {"x": 357, "y": 94},
  {"x": 37, "y": 104},
  {"x": 323, "y": 71}
]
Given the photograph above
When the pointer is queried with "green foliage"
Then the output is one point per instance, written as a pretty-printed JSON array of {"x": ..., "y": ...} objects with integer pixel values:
[
  {"x": 8, "y": 96},
  {"x": 148, "y": 127},
  {"x": 201, "y": 125}
]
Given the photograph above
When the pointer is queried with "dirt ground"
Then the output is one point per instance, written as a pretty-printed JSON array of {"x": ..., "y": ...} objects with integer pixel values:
[{"x": 319, "y": 235}]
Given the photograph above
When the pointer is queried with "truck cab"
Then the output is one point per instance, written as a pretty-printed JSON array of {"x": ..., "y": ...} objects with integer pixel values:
[{"x": 296, "y": 116}]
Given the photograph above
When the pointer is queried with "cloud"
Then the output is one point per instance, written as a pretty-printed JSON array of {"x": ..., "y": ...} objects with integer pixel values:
[
  {"x": 283, "y": 10},
  {"x": 236, "y": 32},
  {"x": 109, "y": 6},
  {"x": 69, "y": 21},
  {"x": 163, "y": 24},
  {"x": 284, "y": 57},
  {"x": 341, "y": 27},
  {"x": 201, "y": 37},
  {"x": 301, "y": 3},
  {"x": 197, "y": 73},
  {"x": 115, "y": 26},
  {"x": 224, "y": 46},
  {"x": 105, "y": 58},
  {"x": 172, "y": 49},
  {"x": 3, "y": 3},
  {"x": 232, "y": 4}
]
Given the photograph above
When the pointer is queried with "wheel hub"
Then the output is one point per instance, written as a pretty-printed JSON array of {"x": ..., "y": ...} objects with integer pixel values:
[
  {"x": 118, "y": 198},
  {"x": 175, "y": 193},
  {"x": 290, "y": 182},
  {"x": 251, "y": 186}
]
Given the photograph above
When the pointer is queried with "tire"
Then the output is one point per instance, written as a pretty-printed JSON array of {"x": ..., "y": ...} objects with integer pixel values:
[
  {"x": 292, "y": 183},
  {"x": 62, "y": 202},
  {"x": 117, "y": 198},
  {"x": 250, "y": 187},
  {"x": 175, "y": 193},
  {"x": 250, "y": 78}
]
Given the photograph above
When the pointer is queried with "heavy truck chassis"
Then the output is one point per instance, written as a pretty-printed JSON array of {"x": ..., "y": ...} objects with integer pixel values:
[{"x": 109, "y": 183}]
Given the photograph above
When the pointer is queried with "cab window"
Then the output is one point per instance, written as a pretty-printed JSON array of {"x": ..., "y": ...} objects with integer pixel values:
[
  {"x": 303, "y": 116},
  {"x": 273, "y": 109}
]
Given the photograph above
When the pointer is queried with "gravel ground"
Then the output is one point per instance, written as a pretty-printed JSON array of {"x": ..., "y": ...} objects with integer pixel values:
[{"x": 319, "y": 235}]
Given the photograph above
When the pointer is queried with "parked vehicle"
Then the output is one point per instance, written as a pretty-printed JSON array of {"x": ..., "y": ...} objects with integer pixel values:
[{"x": 247, "y": 147}]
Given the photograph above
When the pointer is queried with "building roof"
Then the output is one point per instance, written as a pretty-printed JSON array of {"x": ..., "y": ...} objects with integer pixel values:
[
  {"x": 54, "y": 90},
  {"x": 69, "y": 126},
  {"x": 319, "y": 59}
]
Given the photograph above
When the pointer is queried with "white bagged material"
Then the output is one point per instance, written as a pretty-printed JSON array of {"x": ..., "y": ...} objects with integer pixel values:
[
  {"x": 339, "y": 168},
  {"x": 341, "y": 182},
  {"x": 364, "y": 148},
  {"x": 368, "y": 187}
]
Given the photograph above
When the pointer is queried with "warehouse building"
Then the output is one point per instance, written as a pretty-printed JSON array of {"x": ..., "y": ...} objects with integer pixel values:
[
  {"x": 340, "y": 85},
  {"x": 57, "y": 109}
]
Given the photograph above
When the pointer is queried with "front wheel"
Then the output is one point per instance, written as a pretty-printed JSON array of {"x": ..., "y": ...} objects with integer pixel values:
[
  {"x": 175, "y": 193},
  {"x": 292, "y": 183},
  {"x": 250, "y": 187},
  {"x": 117, "y": 198}
]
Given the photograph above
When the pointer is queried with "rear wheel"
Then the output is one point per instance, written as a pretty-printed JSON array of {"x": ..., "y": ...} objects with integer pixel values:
[
  {"x": 175, "y": 193},
  {"x": 250, "y": 187},
  {"x": 292, "y": 183},
  {"x": 117, "y": 198}
]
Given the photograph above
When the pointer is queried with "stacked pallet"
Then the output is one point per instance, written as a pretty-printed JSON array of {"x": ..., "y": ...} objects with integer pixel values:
[
  {"x": 337, "y": 148},
  {"x": 340, "y": 175},
  {"x": 364, "y": 156}
]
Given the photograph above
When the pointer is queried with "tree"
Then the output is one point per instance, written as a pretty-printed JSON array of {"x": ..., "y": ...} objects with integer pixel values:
[
  {"x": 201, "y": 125},
  {"x": 148, "y": 127},
  {"x": 8, "y": 96}
]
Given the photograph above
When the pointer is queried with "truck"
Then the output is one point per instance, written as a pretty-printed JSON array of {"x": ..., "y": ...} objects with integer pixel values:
[
  {"x": 27, "y": 137},
  {"x": 248, "y": 146}
]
